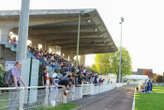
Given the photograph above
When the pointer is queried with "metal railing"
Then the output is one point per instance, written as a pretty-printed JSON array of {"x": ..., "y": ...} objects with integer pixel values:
[
  {"x": 32, "y": 98},
  {"x": 158, "y": 84}
]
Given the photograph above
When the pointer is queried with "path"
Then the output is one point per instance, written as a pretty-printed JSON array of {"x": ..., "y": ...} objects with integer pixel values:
[{"x": 117, "y": 99}]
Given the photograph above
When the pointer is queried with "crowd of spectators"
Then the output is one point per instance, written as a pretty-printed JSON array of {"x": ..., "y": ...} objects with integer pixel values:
[
  {"x": 12, "y": 41},
  {"x": 60, "y": 71},
  {"x": 145, "y": 86}
]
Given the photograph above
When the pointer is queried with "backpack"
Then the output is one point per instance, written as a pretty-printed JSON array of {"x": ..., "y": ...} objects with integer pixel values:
[{"x": 9, "y": 80}]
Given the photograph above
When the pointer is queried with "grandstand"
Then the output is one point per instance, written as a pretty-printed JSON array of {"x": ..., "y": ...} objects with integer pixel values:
[
  {"x": 57, "y": 29},
  {"x": 53, "y": 41}
]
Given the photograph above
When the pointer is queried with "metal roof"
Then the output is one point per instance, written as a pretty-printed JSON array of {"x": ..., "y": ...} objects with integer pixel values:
[
  {"x": 59, "y": 27},
  {"x": 136, "y": 77}
]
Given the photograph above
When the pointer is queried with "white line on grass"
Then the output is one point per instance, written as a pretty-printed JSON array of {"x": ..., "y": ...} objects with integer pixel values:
[{"x": 134, "y": 101}]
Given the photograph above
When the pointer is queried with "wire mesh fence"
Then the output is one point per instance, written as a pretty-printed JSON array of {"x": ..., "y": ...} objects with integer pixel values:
[{"x": 33, "y": 98}]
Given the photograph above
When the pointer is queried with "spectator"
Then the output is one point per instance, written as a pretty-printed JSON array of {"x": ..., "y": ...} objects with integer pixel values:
[
  {"x": 14, "y": 94},
  {"x": 87, "y": 77},
  {"x": 55, "y": 78},
  {"x": 16, "y": 71},
  {"x": 61, "y": 67},
  {"x": 95, "y": 79},
  {"x": 76, "y": 79},
  {"x": 149, "y": 86},
  {"x": 79, "y": 79},
  {"x": 46, "y": 81}
]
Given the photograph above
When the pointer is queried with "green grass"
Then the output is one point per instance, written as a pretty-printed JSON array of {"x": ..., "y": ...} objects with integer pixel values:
[
  {"x": 152, "y": 101},
  {"x": 3, "y": 100},
  {"x": 68, "y": 106}
]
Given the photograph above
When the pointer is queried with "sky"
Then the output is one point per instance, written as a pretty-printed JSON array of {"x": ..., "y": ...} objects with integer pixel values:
[{"x": 143, "y": 34}]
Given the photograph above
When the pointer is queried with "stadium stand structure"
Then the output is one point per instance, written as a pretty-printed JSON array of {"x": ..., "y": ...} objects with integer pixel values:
[{"x": 58, "y": 28}]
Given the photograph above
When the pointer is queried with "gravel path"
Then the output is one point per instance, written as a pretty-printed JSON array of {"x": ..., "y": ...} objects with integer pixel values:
[{"x": 117, "y": 99}]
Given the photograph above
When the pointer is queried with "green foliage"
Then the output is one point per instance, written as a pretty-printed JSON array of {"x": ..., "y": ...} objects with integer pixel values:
[
  {"x": 5, "y": 96},
  {"x": 158, "y": 78},
  {"x": 1, "y": 68},
  {"x": 109, "y": 63},
  {"x": 2, "y": 83}
]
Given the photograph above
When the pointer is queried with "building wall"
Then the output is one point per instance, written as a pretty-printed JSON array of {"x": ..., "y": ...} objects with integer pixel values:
[
  {"x": 148, "y": 72},
  {"x": 82, "y": 60},
  {"x": 6, "y": 54}
]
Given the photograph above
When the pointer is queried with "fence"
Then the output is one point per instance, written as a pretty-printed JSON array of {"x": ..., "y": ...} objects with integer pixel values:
[
  {"x": 158, "y": 84},
  {"x": 32, "y": 98}
]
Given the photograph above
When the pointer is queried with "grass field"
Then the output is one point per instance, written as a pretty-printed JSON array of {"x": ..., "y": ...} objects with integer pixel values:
[
  {"x": 3, "y": 101},
  {"x": 152, "y": 101}
]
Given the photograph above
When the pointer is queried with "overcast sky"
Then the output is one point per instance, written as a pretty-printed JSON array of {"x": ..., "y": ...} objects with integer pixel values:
[{"x": 143, "y": 29}]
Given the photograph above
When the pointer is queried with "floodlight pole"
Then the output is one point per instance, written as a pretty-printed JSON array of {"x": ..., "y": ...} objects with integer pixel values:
[
  {"x": 23, "y": 31},
  {"x": 122, "y": 20},
  {"x": 78, "y": 42}
]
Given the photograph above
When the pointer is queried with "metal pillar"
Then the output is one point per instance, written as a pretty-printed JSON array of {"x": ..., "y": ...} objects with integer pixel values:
[
  {"x": 78, "y": 41},
  {"x": 23, "y": 31},
  {"x": 122, "y": 20}
]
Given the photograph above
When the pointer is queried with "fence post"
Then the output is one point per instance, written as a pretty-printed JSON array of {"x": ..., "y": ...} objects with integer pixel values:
[
  {"x": 21, "y": 99},
  {"x": 52, "y": 97},
  {"x": 46, "y": 96},
  {"x": 80, "y": 92},
  {"x": 73, "y": 97},
  {"x": 92, "y": 89}
]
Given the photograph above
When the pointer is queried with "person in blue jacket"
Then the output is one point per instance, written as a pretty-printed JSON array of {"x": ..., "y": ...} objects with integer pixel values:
[
  {"x": 149, "y": 86},
  {"x": 145, "y": 87}
]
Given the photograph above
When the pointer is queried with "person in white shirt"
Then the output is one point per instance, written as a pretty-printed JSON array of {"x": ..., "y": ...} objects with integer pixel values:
[
  {"x": 54, "y": 90},
  {"x": 55, "y": 78}
]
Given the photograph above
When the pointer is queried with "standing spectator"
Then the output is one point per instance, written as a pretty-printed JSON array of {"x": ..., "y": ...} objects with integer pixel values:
[
  {"x": 108, "y": 82},
  {"x": 87, "y": 77},
  {"x": 55, "y": 78},
  {"x": 149, "y": 86},
  {"x": 13, "y": 42},
  {"x": 76, "y": 79},
  {"x": 46, "y": 81},
  {"x": 54, "y": 90},
  {"x": 16, "y": 71},
  {"x": 79, "y": 79},
  {"x": 14, "y": 95},
  {"x": 95, "y": 79},
  {"x": 56, "y": 65}
]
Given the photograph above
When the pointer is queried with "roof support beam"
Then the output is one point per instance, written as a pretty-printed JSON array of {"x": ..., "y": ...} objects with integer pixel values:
[
  {"x": 87, "y": 47},
  {"x": 82, "y": 40}
]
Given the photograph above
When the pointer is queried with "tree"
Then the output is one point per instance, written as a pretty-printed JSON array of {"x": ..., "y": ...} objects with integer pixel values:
[
  {"x": 109, "y": 63},
  {"x": 158, "y": 79},
  {"x": 2, "y": 83}
]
